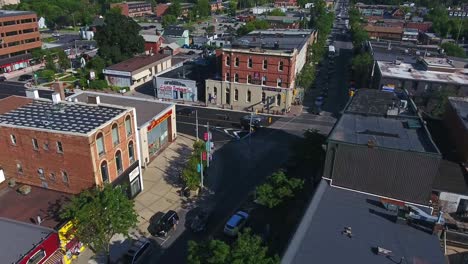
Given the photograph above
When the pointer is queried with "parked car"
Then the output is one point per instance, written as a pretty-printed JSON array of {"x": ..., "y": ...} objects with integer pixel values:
[
  {"x": 186, "y": 111},
  {"x": 191, "y": 52},
  {"x": 25, "y": 77},
  {"x": 235, "y": 223},
  {"x": 137, "y": 252},
  {"x": 2, "y": 78},
  {"x": 56, "y": 34},
  {"x": 199, "y": 222},
  {"x": 162, "y": 226},
  {"x": 257, "y": 121}
]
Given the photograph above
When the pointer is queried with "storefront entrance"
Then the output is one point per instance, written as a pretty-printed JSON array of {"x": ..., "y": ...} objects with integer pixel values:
[{"x": 158, "y": 133}]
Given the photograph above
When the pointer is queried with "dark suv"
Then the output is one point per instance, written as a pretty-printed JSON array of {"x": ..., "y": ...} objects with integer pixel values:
[
  {"x": 162, "y": 226},
  {"x": 137, "y": 252}
]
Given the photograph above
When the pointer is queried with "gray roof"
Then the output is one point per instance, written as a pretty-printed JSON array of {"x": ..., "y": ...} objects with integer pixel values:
[
  {"x": 267, "y": 39},
  {"x": 377, "y": 102},
  {"x": 451, "y": 178},
  {"x": 387, "y": 132},
  {"x": 8, "y": 13},
  {"x": 176, "y": 31},
  {"x": 318, "y": 238},
  {"x": 63, "y": 116},
  {"x": 146, "y": 109},
  {"x": 19, "y": 238},
  {"x": 460, "y": 105}
]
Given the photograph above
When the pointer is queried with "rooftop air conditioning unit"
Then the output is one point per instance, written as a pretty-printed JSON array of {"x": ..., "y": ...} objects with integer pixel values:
[{"x": 24, "y": 189}]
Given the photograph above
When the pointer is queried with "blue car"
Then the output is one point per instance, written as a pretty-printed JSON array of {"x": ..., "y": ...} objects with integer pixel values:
[{"x": 235, "y": 223}]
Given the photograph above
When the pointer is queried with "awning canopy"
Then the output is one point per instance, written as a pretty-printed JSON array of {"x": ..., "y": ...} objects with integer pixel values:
[{"x": 140, "y": 75}]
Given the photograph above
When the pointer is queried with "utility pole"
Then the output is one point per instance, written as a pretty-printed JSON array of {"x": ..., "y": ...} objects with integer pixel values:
[
  {"x": 201, "y": 169},
  {"x": 208, "y": 151},
  {"x": 196, "y": 123}
]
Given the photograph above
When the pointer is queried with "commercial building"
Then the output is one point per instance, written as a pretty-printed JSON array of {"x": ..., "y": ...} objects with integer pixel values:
[
  {"x": 281, "y": 22},
  {"x": 68, "y": 146},
  {"x": 134, "y": 9},
  {"x": 156, "y": 121},
  {"x": 341, "y": 226},
  {"x": 137, "y": 70},
  {"x": 285, "y": 3},
  {"x": 19, "y": 35},
  {"x": 380, "y": 146},
  {"x": 456, "y": 121},
  {"x": 258, "y": 71},
  {"x": 384, "y": 32},
  {"x": 8, "y": 2},
  {"x": 410, "y": 35}
]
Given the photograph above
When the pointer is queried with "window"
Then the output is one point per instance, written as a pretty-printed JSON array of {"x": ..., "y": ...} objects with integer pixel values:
[
  {"x": 250, "y": 63},
  {"x": 59, "y": 147},
  {"x": 45, "y": 146},
  {"x": 236, "y": 94},
  {"x": 64, "y": 177},
  {"x": 236, "y": 77},
  {"x": 263, "y": 97},
  {"x": 40, "y": 173},
  {"x": 19, "y": 168},
  {"x": 264, "y": 80},
  {"x": 115, "y": 134},
  {"x": 8, "y": 23},
  {"x": 28, "y": 30},
  {"x": 100, "y": 144},
  {"x": 128, "y": 125},
  {"x": 104, "y": 172},
  {"x": 249, "y": 78},
  {"x": 280, "y": 66},
  {"x": 228, "y": 61},
  {"x": 35, "y": 144},
  {"x": 118, "y": 161},
  {"x": 278, "y": 99},
  {"x": 36, "y": 258},
  {"x": 131, "y": 152},
  {"x": 12, "y": 33},
  {"x": 215, "y": 91},
  {"x": 265, "y": 64},
  {"x": 249, "y": 96},
  {"x": 228, "y": 77},
  {"x": 279, "y": 82},
  {"x": 236, "y": 62},
  {"x": 13, "y": 139},
  {"x": 52, "y": 176}
]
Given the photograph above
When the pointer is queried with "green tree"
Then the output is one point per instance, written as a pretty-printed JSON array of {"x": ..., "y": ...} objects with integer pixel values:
[
  {"x": 251, "y": 26},
  {"x": 277, "y": 188},
  {"x": 97, "y": 64},
  {"x": 47, "y": 75},
  {"x": 440, "y": 21},
  {"x": 174, "y": 9},
  {"x": 50, "y": 63},
  {"x": 454, "y": 50},
  {"x": 439, "y": 99},
  {"x": 100, "y": 213},
  {"x": 309, "y": 151},
  {"x": 360, "y": 65},
  {"x": 168, "y": 20},
  {"x": 316, "y": 12},
  {"x": 119, "y": 38},
  {"x": 190, "y": 174},
  {"x": 232, "y": 8},
  {"x": 203, "y": 8},
  {"x": 247, "y": 248},
  {"x": 277, "y": 12},
  {"x": 63, "y": 61}
]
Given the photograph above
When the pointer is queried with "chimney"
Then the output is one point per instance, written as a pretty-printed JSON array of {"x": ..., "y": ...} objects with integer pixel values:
[
  {"x": 94, "y": 99},
  {"x": 56, "y": 98},
  {"x": 33, "y": 94},
  {"x": 58, "y": 88}
]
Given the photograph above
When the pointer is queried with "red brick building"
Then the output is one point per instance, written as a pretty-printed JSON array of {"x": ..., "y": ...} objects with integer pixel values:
[
  {"x": 160, "y": 9},
  {"x": 153, "y": 42},
  {"x": 285, "y": 3},
  {"x": 67, "y": 146},
  {"x": 19, "y": 35},
  {"x": 134, "y": 9},
  {"x": 420, "y": 26}
]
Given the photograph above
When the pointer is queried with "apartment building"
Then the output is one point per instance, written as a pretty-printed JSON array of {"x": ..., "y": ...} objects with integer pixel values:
[
  {"x": 68, "y": 146},
  {"x": 134, "y": 9},
  {"x": 19, "y": 35}
]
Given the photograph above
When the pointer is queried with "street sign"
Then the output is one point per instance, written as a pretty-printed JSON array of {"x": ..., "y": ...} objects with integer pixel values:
[
  {"x": 207, "y": 146},
  {"x": 198, "y": 167},
  {"x": 205, "y": 136}
]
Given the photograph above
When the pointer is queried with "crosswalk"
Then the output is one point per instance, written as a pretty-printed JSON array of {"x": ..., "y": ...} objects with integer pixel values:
[{"x": 233, "y": 132}]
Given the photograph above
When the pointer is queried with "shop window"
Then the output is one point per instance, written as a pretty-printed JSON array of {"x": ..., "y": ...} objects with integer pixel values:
[
  {"x": 115, "y": 134},
  {"x": 35, "y": 144},
  {"x": 236, "y": 94},
  {"x": 236, "y": 77},
  {"x": 263, "y": 97},
  {"x": 278, "y": 99},
  {"x": 118, "y": 161},
  {"x": 19, "y": 168},
  {"x": 13, "y": 139},
  {"x": 104, "y": 172},
  {"x": 228, "y": 77},
  {"x": 37, "y": 257},
  {"x": 131, "y": 152},
  {"x": 249, "y": 96},
  {"x": 228, "y": 61},
  {"x": 250, "y": 63},
  {"x": 265, "y": 64},
  {"x": 65, "y": 177},
  {"x": 249, "y": 78},
  {"x": 215, "y": 91},
  {"x": 236, "y": 62},
  {"x": 128, "y": 125},
  {"x": 280, "y": 66},
  {"x": 59, "y": 147},
  {"x": 100, "y": 144},
  {"x": 264, "y": 80}
]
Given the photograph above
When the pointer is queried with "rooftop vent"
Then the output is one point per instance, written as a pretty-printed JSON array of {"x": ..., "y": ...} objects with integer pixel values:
[
  {"x": 94, "y": 99},
  {"x": 24, "y": 189},
  {"x": 33, "y": 94},
  {"x": 56, "y": 98}
]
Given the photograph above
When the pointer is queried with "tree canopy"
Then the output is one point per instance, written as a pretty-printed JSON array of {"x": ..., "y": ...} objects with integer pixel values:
[
  {"x": 251, "y": 26},
  {"x": 118, "y": 39},
  {"x": 277, "y": 12},
  {"x": 277, "y": 188},
  {"x": 174, "y": 9},
  {"x": 203, "y": 8},
  {"x": 100, "y": 213},
  {"x": 454, "y": 50},
  {"x": 309, "y": 151},
  {"x": 168, "y": 20}
]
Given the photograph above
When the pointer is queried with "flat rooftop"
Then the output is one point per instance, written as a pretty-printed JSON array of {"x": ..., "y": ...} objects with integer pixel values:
[
  {"x": 273, "y": 41},
  {"x": 401, "y": 133},
  {"x": 460, "y": 104},
  {"x": 8, "y": 13},
  {"x": 410, "y": 72},
  {"x": 146, "y": 109},
  {"x": 19, "y": 238},
  {"x": 318, "y": 239},
  {"x": 138, "y": 62},
  {"x": 451, "y": 178},
  {"x": 61, "y": 117},
  {"x": 39, "y": 202},
  {"x": 377, "y": 102}
]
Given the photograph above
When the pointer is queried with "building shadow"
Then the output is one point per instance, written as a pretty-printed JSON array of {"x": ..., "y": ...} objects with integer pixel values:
[
  {"x": 375, "y": 203},
  {"x": 173, "y": 172},
  {"x": 389, "y": 217}
]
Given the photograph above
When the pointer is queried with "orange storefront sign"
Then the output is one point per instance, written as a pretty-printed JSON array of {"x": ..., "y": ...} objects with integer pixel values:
[{"x": 158, "y": 121}]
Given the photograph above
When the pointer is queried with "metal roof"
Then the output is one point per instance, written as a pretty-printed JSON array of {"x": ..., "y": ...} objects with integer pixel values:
[
  {"x": 138, "y": 62},
  {"x": 319, "y": 238},
  {"x": 460, "y": 105},
  {"x": 451, "y": 178},
  {"x": 268, "y": 39},
  {"x": 19, "y": 238},
  {"x": 62, "y": 117},
  {"x": 10, "y": 13},
  {"x": 377, "y": 102}
]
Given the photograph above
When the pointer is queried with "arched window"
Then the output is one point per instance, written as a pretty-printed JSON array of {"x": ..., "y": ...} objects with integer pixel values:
[
  {"x": 249, "y": 96},
  {"x": 215, "y": 91},
  {"x": 250, "y": 63},
  {"x": 236, "y": 62},
  {"x": 131, "y": 152},
  {"x": 228, "y": 61},
  {"x": 104, "y": 172},
  {"x": 115, "y": 134},
  {"x": 281, "y": 65},
  {"x": 249, "y": 78},
  {"x": 265, "y": 64},
  {"x": 100, "y": 144},
  {"x": 279, "y": 82},
  {"x": 278, "y": 99},
  {"x": 263, "y": 97},
  {"x": 128, "y": 125},
  {"x": 236, "y": 77},
  {"x": 228, "y": 77},
  {"x": 236, "y": 94},
  {"x": 118, "y": 161}
]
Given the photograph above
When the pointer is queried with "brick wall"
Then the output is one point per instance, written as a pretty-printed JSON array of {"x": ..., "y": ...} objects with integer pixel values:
[
  {"x": 27, "y": 34},
  {"x": 161, "y": 9}
]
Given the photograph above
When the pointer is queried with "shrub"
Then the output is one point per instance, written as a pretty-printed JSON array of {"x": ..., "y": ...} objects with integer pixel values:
[{"x": 98, "y": 84}]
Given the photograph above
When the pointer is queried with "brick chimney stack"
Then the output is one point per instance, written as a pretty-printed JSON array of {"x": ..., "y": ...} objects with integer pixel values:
[{"x": 58, "y": 88}]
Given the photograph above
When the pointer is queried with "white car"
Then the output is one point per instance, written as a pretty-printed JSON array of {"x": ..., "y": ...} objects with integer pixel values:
[{"x": 235, "y": 223}]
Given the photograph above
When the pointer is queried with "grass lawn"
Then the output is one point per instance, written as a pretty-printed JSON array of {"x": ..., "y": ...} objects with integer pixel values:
[
  {"x": 49, "y": 39},
  {"x": 69, "y": 78}
]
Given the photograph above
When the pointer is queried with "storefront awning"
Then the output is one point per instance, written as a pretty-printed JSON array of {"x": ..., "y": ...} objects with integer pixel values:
[{"x": 140, "y": 75}]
